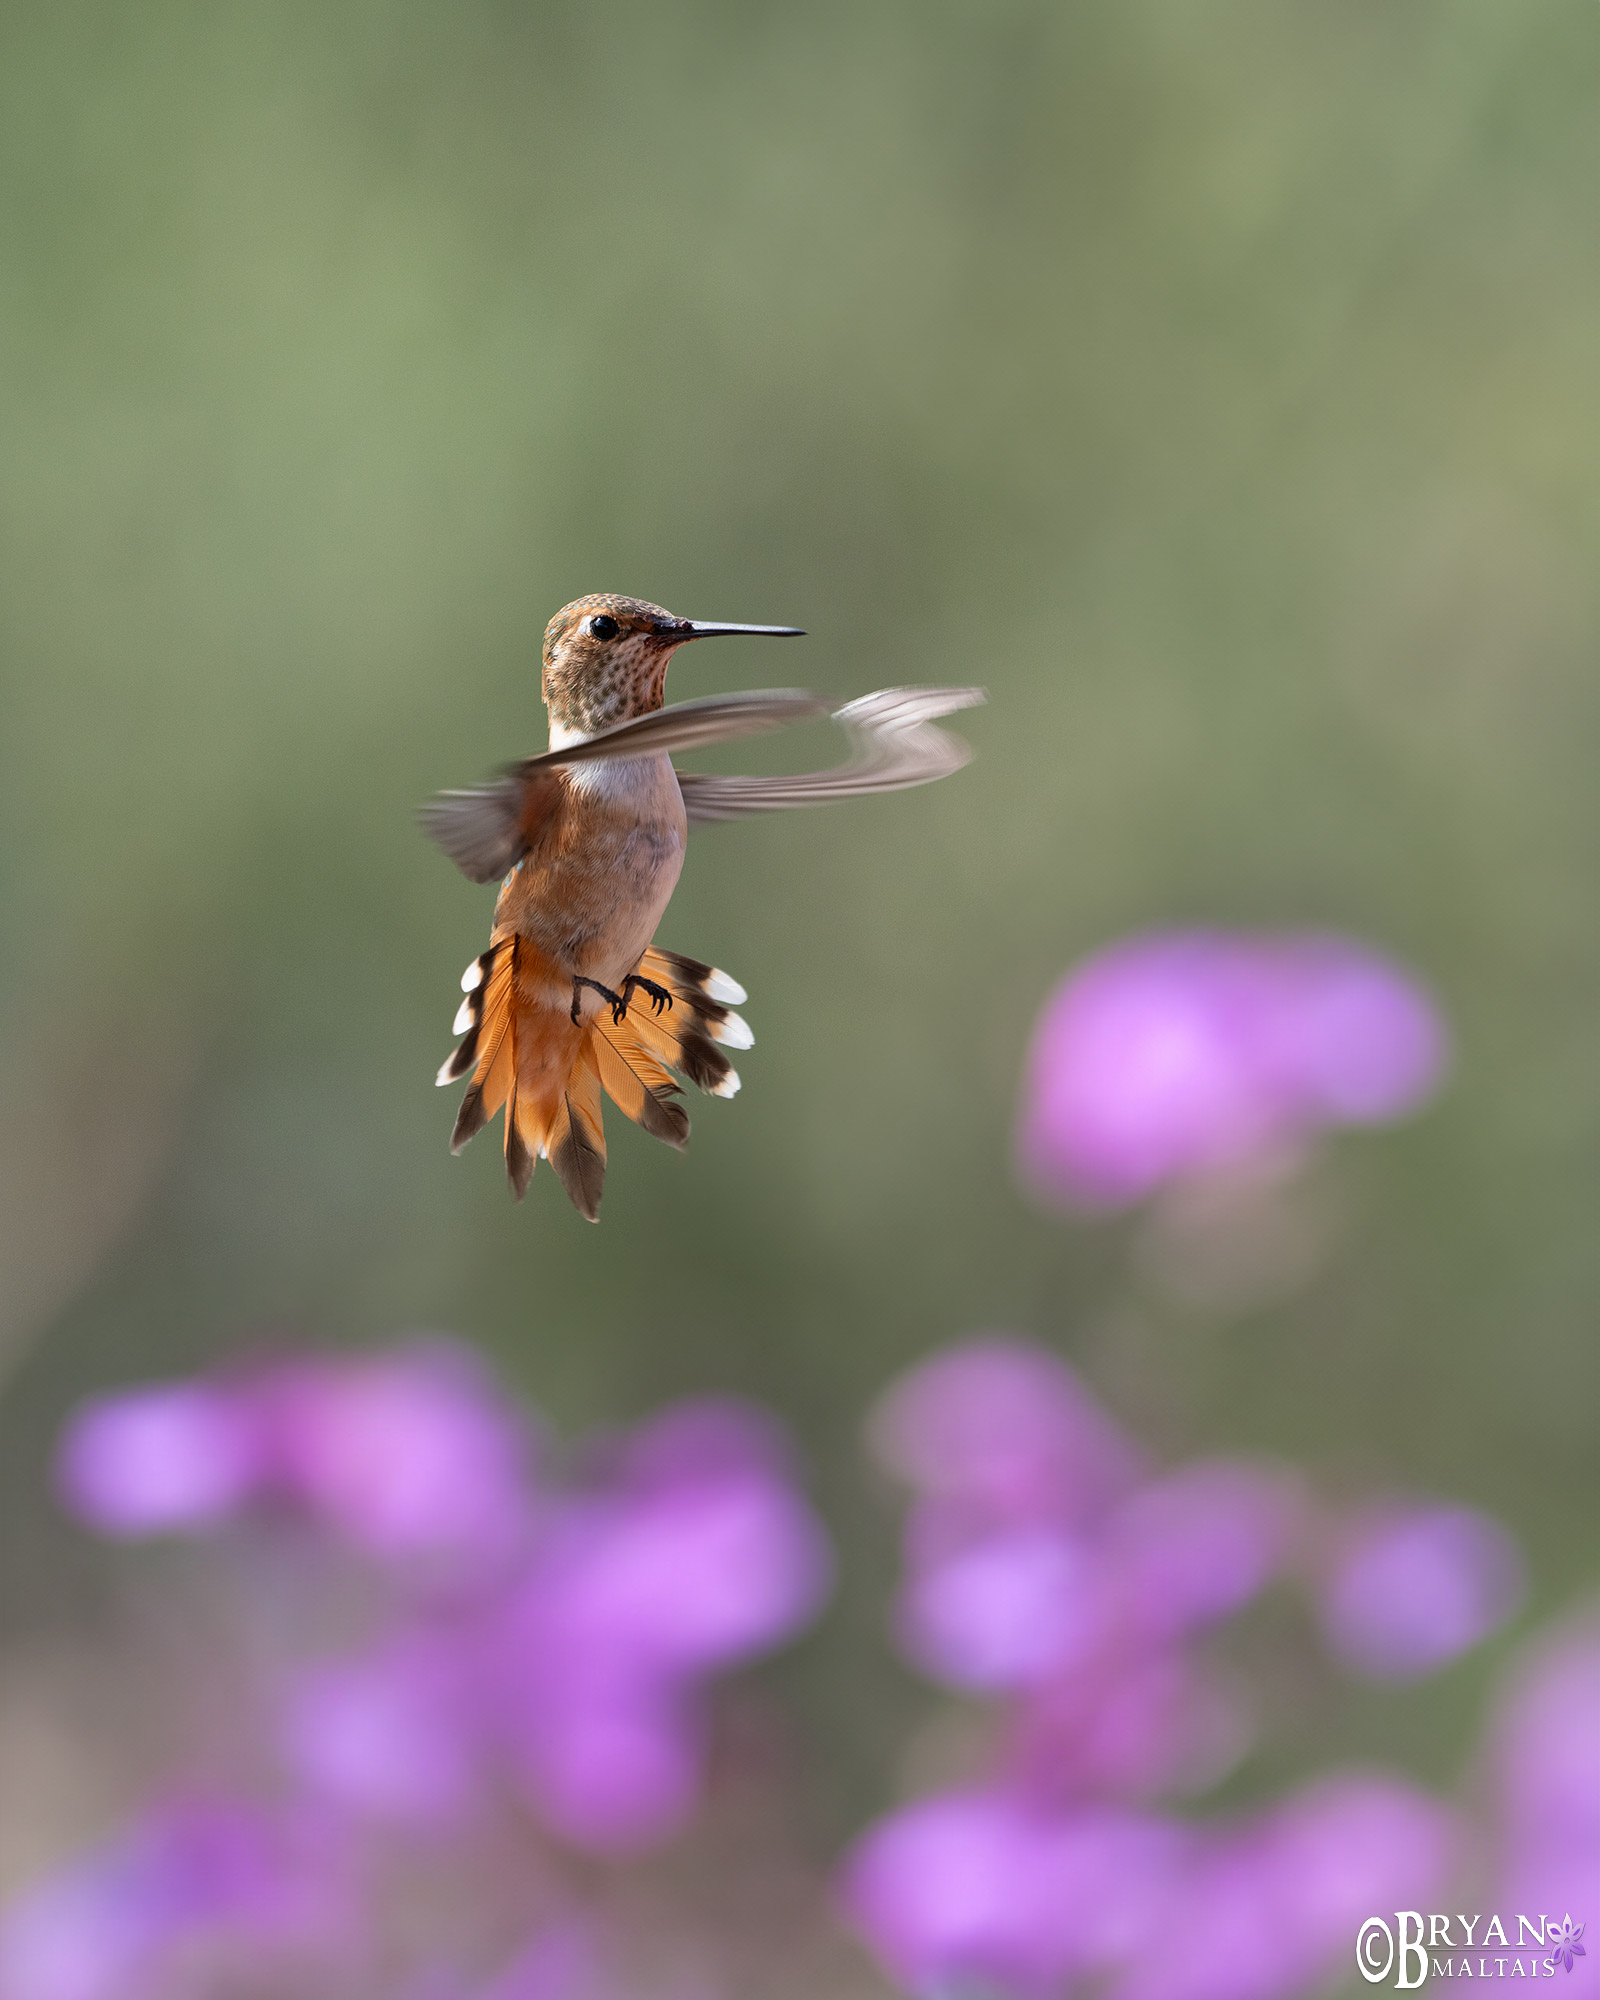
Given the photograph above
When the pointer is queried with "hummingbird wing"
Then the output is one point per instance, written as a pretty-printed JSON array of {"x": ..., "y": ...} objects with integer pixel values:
[
  {"x": 689, "y": 725},
  {"x": 893, "y": 745},
  {"x": 486, "y": 829}
]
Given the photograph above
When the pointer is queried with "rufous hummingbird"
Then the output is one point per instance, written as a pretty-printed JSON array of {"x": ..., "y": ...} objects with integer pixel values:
[{"x": 572, "y": 997}]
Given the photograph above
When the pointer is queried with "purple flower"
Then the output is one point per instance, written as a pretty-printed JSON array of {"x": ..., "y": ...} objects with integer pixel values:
[
  {"x": 1413, "y": 1589},
  {"x": 1545, "y": 1744},
  {"x": 394, "y": 1734},
  {"x": 1008, "y": 1611},
  {"x": 1353, "y": 1843},
  {"x": 1197, "y": 1545},
  {"x": 1178, "y": 1052},
  {"x": 210, "y": 1883},
  {"x": 704, "y": 1554},
  {"x": 179, "y": 1455},
  {"x": 1564, "y": 1941},
  {"x": 611, "y": 1767},
  {"x": 978, "y": 1888},
  {"x": 1547, "y": 1740},
  {"x": 1001, "y": 1430},
  {"x": 410, "y": 1455},
  {"x": 1361, "y": 1040},
  {"x": 1269, "y": 1909},
  {"x": 1136, "y": 1722},
  {"x": 696, "y": 1554}
]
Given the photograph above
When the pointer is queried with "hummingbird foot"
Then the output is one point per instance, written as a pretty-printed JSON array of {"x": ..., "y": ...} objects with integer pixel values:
[
  {"x": 617, "y": 1003},
  {"x": 659, "y": 996}
]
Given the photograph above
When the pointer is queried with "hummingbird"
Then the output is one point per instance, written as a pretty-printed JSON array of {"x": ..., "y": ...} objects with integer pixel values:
[{"x": 573, "y": 999}]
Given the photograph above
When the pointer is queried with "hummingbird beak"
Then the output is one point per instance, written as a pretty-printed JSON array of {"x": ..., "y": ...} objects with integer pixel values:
[{"x": 698, "y": 628}]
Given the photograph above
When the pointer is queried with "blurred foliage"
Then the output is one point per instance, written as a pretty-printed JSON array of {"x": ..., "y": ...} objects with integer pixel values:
[{"x": 1214, "y": 384}]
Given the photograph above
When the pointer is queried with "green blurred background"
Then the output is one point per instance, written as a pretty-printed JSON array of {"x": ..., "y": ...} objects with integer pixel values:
[{"x": 1215, "y": 384}]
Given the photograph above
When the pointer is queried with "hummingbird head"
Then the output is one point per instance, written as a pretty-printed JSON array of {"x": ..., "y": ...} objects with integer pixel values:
[{"x": 605, "y": 659}]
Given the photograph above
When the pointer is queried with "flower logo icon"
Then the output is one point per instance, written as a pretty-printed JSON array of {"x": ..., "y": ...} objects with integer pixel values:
[{"x": 1564, "y": 1942}]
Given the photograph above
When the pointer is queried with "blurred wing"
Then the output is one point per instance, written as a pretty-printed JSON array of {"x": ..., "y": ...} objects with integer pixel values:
[
  {"x": 893, "y": 745},
  {"x": 716, "y": 718},
  {"x": 486, "y": 829},
  {"x": 478, "y": 828}
]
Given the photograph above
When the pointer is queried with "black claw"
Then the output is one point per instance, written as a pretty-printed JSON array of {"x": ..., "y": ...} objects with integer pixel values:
[
  {"x": 659, "y": 996},
  {"x": 617, "y": 1003}
]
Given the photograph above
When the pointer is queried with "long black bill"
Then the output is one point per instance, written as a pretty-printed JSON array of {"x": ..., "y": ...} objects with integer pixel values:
[{"x": 699, "y": 628}]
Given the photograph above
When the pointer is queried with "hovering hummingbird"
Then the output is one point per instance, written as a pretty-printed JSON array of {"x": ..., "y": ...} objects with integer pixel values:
[{"x": 572, "y": 997}]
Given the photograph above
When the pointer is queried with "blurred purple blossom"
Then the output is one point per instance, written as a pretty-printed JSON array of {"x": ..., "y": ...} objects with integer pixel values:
[
  {"x": 465, "y": 1655},
  {"x": 195, "y": 1895},
  {"x": 976, "y": 1890},
  {"x": 1178, "y": 1052},
  {"x": 411, "y": 1454},
  {"x": 982, "y": 1892},
  {"x": 408, "y": 1456},
  {"x": 1413, "y": 1588},
  {"x": 1194, "y": 1547},
  {"x": 1545, "y": 1751},
  {"x": 392, "y": 1734},
  {"x": 474, "y": 1662},
  {"x": 175, "y": 1456},
  {"x": 1035, "y": 1549},
  {"x": 1079, "y": 1593},
  {"x": 1269, "y": 1908},
  {"x": 1007, "y": 1610},
  {"x": 694, "y": 1554},
  {"x": 1003, "y": 1431}
]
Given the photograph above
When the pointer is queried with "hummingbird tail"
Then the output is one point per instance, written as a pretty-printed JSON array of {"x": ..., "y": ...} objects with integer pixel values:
[
  {"x": 525, "y": 1053},
  {"x": 689, "y": 1030}
]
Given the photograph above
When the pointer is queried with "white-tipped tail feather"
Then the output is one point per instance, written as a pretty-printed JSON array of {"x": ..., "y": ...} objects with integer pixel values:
[
  {"x": 733, "y": 1032},
  {"x": 508, "y": 1043}
]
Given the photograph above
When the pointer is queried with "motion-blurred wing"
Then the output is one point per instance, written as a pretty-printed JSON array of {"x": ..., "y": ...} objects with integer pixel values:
[
  {"x": 690, "y": 725},
  {"x": 894, "y": 745},
  {"x": 486, "y": 829},
  {"x": 478, "y": 827}
]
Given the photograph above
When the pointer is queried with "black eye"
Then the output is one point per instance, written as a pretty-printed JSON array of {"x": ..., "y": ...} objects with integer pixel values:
[{"x": 603, "y": 625}]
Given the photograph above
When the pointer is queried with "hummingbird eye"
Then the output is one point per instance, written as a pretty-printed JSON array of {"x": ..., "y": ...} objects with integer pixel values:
[{"x": 604, "y": 626}]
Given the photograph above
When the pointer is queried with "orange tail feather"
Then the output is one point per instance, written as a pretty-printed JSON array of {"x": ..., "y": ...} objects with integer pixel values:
[{"x": 549, "y": 1072}]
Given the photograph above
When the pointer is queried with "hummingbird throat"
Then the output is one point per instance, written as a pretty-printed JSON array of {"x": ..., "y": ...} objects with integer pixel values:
[{"x": 589, "y": 682}]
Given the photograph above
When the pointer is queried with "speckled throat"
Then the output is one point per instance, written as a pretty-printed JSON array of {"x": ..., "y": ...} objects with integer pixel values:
[{"x": 590, "y": 682}]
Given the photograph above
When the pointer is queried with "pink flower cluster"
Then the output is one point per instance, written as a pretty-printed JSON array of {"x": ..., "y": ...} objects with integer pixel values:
[
  {"x": 1050, "y": 1568},
  {"x": 1181, "y": 1052},
  {"x": 472, "y": 1688},
  {"x": 527, "y": 1649}
]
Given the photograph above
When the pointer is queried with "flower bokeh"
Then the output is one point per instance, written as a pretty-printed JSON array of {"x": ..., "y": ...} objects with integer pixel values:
[
  {"x": 469, "y": 1694},
  {"x": 1078, "y": 1596},
  {"x": 448, "y": 1692},
  {"x": 1182, "y": 1052},
  {"x": 475, "y": 1662}
]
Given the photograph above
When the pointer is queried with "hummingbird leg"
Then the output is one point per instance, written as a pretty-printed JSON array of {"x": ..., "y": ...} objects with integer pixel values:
[
  {"x": 619, "y": 1006},
  {"x": 659, "y": 996}
]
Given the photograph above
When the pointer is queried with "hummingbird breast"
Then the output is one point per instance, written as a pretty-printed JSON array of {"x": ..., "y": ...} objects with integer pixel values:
[{"x": 593, "y": 888}]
